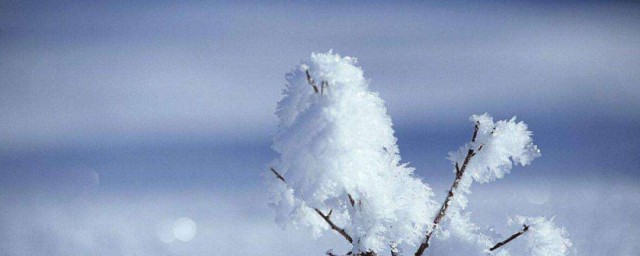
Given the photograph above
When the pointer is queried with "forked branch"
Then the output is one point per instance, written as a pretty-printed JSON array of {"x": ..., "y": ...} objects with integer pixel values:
[
  {"x": 525, "y": 228},
  {"x": 333, "y": 226},
  {"x": 323, "y": 84},
  {"x": 443, "y": 209},
  {"x": 326, "y": 217}
]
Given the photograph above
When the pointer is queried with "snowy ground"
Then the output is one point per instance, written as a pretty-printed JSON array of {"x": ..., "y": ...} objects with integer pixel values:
[{"x": 600, "y": 218}]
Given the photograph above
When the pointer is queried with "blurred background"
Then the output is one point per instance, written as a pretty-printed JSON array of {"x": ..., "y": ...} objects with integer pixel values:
[{"x": 144, "y": 128}]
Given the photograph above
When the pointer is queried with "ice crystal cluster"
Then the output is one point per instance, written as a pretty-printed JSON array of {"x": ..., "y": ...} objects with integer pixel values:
[
  {"x": 544, "y": 239},
  {"x": 498, "y": 146},
  {"x": 338, "y": 157}
]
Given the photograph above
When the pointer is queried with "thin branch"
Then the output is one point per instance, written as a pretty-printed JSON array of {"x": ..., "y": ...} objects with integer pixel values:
[
  {"x": 511, "y": 238},
  {"x": 443, "y": 209},
  {"x": 311, "y": 82},
  {"x": 330, "y": 253},
  {"x": 475, "y": 132},
  {"x": 278, "y": 175},
  {"x": 333, "y": 226}
]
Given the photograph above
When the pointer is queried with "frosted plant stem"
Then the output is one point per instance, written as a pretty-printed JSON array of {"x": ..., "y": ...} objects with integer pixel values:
[
  {"x": 511, "y": 238},
  {"x": 333, "y": 226},
  {"x": 326, "y": 217},
  {"x": 443, "y": 209}
]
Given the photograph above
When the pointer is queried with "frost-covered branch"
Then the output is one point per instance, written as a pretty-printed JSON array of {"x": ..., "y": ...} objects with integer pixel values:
[
  {"x": 339, "y": 154},
  {"x": 326, "y": 217},
  {"x": 333, "y": 226},
  {"x": 543, "y": 237},
  {"x": 443, "y": 209},
  {"x": 525, "y": 228}
]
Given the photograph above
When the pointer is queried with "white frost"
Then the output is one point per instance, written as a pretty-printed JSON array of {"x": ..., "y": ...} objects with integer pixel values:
[
  {"x": 504, "y": 143},
  {"x": 335, "y": 143},
  {"x": 543, "y": 237},
  {"x": 340, "y": 143}
]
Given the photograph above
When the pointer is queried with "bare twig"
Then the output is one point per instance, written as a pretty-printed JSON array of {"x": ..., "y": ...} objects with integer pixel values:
[
  {"x": 525, "y": 228},
  {"x": 475, "y": 132},
  {"x": 311, "y": 82},
  {"x": 278, "y": 175},
  {"x": 443, "y": 209},
  {"x": 353, "y": 202},
  {"x": 326, "y": 217},
  {"x": 330, "y": 253}
]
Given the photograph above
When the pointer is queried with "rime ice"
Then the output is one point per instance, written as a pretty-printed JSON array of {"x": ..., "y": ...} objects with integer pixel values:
[
  {"x": 545, "y": 239},
  {"x": 338, "y": 160},
  {"x": 504, "y": 143},
  {"x": 341, "y": 143}
]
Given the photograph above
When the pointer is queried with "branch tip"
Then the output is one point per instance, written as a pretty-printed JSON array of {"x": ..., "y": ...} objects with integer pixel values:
[
  {"x": 311, "y": 81},
  {"x": 353, "y": 202},
  {"x": 525, "y": 228},
  {"x": 278, "y": 175},
  {"x": 333, "y": 226},
  {"x": 443, "y": 209}
]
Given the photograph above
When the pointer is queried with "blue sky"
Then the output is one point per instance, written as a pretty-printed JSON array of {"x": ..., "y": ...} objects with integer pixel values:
[{"x": 124, "y": 98}]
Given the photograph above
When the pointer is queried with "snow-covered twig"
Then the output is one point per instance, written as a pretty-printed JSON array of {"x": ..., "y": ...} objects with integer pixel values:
[
  {"x": 525, "y": 228},
  {"x": 454, "y": 186},
  {"x": 326, "y": 217},
  {"x": 333, "y": 226},
  {"x": 340, "y": 155}
]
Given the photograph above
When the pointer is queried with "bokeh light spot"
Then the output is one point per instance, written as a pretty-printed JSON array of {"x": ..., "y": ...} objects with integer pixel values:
[{"x": 184, "y": 229}]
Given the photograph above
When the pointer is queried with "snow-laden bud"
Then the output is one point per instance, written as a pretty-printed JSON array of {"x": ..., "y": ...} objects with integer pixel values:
[{"x": 337, "y": 151}]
